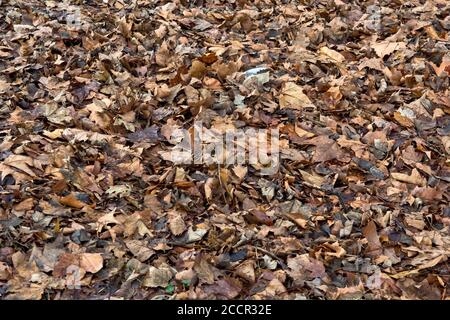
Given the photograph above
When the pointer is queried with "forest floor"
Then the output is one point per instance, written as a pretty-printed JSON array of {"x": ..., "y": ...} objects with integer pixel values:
[{"x": 94, "y": 97}]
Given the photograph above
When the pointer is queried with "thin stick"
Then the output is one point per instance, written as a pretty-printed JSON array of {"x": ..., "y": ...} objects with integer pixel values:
[{"x": 274, "y": 256}]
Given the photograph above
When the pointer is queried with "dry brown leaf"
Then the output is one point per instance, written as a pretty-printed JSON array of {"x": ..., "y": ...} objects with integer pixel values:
[
  {"x": 305, "y": 266},
  {"x": 22, "y": 163},
  {"x": 275, "y": 288},
  {"x": 446, "y": 143},
  {"x": 158, "y": 277},
  {"x": 140, "y": 249},
  {"x": 350, "y": 293},
  {"x": 385, "y": 48},
  {"x": 416, "y": 223},
  {"x": 431, "y": 31},
  {"x": 25, "y": 205},
  {"x": 292, "y": 97},
  {"x": 303, "y": 133},
  {"x": 258, "y": 217},
  {"x": 404, "y": 121},
  {"x": 414, "y": 178},
  {"x": 176, "y": 224},
  {"x": 240, "y": 172},
  {"x": 71, "y": 201},
  {"x": 334, "y": 55},
  {"x": 209, "y": 185},
  {"x": 91, "y": 262},
  {"x": 246, "y": 271},
  {"x": 374, "y": 248},
  {"x": 105, "y": 220},
  {"x": 198, "y": 69},
  {"x": 223, "y": 288},
  {"x": 163, "y": 55},
  {"x": 326, "y": 150},
  {"x": 312, "y": 179},
  {"x": 5, "y": 271},
  {"x": 426, "y": 265},
  {"x": 204, "y": 271},
  {"x": 444, "y": 66},
  {"x": 26, "y": 293}
]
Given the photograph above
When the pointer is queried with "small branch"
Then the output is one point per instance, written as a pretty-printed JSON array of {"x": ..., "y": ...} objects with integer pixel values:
[{"x": 274, "y": 256}]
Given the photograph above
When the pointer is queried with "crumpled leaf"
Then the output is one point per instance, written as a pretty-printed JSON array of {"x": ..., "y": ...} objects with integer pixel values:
[
  {"x": 195, "y": 235},
  {"x": 140, "y": 249}
]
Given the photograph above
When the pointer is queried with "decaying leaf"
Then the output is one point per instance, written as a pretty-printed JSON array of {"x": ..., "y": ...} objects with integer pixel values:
[
  {"x": 305, "y": 267},
  {"x": 334, "y": 55},
  {"x": 224, "y": 150},
  {"x": 158, "y": 277},
  {"x": 140, "y": 249}
]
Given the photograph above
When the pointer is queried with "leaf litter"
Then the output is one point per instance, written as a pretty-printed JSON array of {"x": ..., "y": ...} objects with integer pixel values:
[{"x": 91, "y": 97}]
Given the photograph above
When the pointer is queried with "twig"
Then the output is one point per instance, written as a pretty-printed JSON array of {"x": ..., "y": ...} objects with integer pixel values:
[{"x": 274, "y": 256}]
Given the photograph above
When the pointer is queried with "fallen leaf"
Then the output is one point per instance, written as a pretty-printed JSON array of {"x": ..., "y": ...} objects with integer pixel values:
[
  {"x": 374, "y": 248},
  {"x": 204, "y": 271},
  {"x": 414, "y": 178},
  {"x": 72, "y": 201},
  {"x": 334, "y": 55},
  {"x": 246, "y": 271},
  {"x": 292, "y": 97},
  {"x": 140, "y": 249},
  {"x": 91, "y": 262},
  {"x": 198, "y": 69},
  {"x": 258, "y": 217},
  {"x": 176, "y": 224},
  {"x": 385, "y": 48},
  {"x": 158, "y": 277}
]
